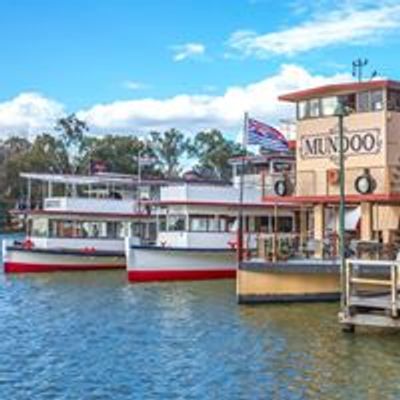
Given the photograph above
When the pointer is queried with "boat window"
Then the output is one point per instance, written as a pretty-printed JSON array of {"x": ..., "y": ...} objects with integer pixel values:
[
  {"x": 115, "y": 230},
  {"x": 213, "y": 224},
  {"x": 329, "y": 105},
  {"x": 280, "y": 166},
  {"x": 203, "y": 223},
  {"x": 314, "y": 108},
  {"x": 62, "y": 229},
  {"x": 285, "y": 224},
  {"x": 261, "y": 224},
  {"x": 136, "y": 229},
  {"x": 39, "y": 227},
  {"x": 198, "y": 224},
  {"x": 95, "y": 229},
  {"x": 394, "y": 100},
  {"x": 363, "y": 102},
  {"x": 176, "y": 223},
  {"x": 377, "y": 100},
  {"x": 162, "y": 223},
  {"x": 302, "y": 110}
]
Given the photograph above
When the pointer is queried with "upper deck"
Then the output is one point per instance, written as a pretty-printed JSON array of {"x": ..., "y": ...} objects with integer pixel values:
[{"x": 371, "y": 140}]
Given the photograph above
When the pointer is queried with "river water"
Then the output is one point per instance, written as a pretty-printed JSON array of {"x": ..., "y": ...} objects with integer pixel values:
[{"x": 94, "y": 336}]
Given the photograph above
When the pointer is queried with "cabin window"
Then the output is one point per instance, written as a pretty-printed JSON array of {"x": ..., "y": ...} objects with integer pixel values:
[
  {"x": 394, "y": 100},
  {"x": 176, "y": 223},
  {"x": 199, "y": 224},
  {"x": 370, "y": 101},
  {"x": 282, "y": 166},
  {"x": 115, "y": 230},
  {"x": 261, "y": 224},
  {"x": 136, "y": 229},
  {"x": 329, "y": 105},
  {"x": 315, "y": 108},
  {"x": 302, "y": 110},
  {"x": 285, "y": 224},
  {"x": 377, "y": 100},
  {"x": 39, "y": 227},
  {"x": 203, "y": 223},
  {"x": 363, "y": 102},
  {"x": 162, "y": 223},
  {"x": 62, "y": 229}
]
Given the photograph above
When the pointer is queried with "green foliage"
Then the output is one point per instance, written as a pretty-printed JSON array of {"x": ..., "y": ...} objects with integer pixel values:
[
  {"x": 213, "y": 152},
  {"x": 72, "y": 150},
  {"x": 169, "y": 148},
  {"x": 119, "y": 152}
]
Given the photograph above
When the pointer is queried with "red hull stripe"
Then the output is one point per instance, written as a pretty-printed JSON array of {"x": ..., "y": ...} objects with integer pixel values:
[
  {"x": 179, "y": 275},
  {"x": 16, "y": 267}
]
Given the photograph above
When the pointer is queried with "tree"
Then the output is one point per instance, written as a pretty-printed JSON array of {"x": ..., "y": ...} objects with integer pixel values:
[
  {"x": 213, "y": 152},
  {"x": 118, "y": 152},
  {"x": 72, "y": 135},
  {"x": 169, "y": 148}
]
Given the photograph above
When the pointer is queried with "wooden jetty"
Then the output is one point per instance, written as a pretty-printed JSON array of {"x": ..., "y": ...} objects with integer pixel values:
[{"x": 371, "y": 294}]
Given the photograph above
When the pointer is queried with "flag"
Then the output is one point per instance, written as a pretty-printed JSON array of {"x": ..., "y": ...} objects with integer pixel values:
[{"x": 266, "y": 136}]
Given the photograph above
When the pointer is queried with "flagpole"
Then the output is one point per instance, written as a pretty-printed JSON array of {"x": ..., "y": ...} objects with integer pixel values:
[{"x": 241, "y": 192}]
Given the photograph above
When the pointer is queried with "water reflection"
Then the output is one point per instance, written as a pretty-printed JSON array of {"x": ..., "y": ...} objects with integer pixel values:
[{"x": 93, "y": 335}]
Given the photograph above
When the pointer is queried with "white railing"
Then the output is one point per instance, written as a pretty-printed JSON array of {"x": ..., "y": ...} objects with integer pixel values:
[
  {"x": 90, "y": 205},
  {"x": 206, "y": 193}
]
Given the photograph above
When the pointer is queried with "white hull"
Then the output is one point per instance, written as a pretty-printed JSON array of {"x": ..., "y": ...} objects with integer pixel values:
[
  {"x": 161, "y": 263},
  {"x": 46, "y": 260}
]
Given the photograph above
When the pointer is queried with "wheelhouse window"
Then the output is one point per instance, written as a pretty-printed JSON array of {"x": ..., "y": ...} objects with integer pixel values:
[
  {"x": 302, "y": 109},
  {"x": 315, "y": 109},
  {"x": 370, "y": 101},
  {"x": 377, "y": 100},
  {"x": 394, "y": 100},
  {"x": 329, "y": 105}
]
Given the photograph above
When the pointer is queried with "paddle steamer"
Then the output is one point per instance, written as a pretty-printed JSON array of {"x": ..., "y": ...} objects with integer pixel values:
[
  {"x": 81, "y": 222},
  {"x": 197, "y": 224}
]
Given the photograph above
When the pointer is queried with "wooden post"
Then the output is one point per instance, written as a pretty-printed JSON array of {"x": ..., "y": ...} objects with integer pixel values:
[
  {"x": 393, "y": 273},
  {"x": 319, "y": 228},
  {"x": 366, "y": 221},
  {"x": 275, "y": 240}
]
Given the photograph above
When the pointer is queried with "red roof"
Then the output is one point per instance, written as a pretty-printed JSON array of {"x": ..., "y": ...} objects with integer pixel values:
[{"x": 339, "y": 88}]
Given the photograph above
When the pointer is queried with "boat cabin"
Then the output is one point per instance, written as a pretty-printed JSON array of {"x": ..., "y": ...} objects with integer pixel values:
[
  {"x": 97, "y": 210},
  {"x": 372, "y": 166}
]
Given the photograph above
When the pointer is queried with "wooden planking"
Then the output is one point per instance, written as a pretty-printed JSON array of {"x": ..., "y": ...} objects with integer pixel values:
[{"x": 380, "y": 321}]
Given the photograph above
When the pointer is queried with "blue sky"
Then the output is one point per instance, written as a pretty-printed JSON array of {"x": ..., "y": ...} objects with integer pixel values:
[{"x": 135, "y": 65}]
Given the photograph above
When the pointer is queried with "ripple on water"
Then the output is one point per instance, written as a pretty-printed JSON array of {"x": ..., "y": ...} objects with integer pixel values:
[{"x": 94, "y": 336}]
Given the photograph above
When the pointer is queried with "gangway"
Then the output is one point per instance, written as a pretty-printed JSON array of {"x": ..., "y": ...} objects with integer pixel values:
[{"x": 371, "y": 294}]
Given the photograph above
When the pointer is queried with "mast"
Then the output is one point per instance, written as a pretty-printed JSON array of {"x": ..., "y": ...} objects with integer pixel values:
[{"x": 241, "y": 192}]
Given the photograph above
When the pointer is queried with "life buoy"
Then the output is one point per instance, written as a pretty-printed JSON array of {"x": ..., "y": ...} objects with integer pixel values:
[
  {"x": 333, "y": 176},
  {"x": 27, "y": 244},
  {"x": 89, "y": 249},
  {"x": 232, "y": 244}
]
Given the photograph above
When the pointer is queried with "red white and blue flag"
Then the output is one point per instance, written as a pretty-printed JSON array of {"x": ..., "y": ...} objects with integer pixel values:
[{"x": 265, "y": 136}]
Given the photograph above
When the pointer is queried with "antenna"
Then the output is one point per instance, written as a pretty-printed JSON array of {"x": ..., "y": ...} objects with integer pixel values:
[
  {"x": 358, "y": 66},
  {"x": 374, "y": 75}
]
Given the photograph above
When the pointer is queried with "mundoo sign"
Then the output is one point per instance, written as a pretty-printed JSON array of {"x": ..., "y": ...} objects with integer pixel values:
[{"x": 354, "y": 143}]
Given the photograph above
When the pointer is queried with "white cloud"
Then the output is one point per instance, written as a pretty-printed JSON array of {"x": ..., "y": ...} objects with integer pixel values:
[
  {"x": 28, "y": 114},
  {"x": 188, "y": 51},
  {"x": 33, "y": 113},
  {"x": 192, "y": 113},
  {"x": 134, "y": 85},
  {"x": 351, "y": 24}
]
